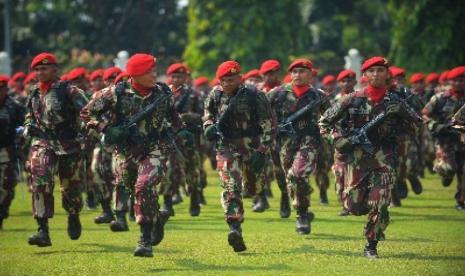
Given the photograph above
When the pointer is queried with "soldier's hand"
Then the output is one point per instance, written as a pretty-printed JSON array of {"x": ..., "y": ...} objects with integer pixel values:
[
  {"x": 211, "y": 132},
  {"x": 343, "y": 145},
  {"x": 257, "y": 162},
  {"x": 187, "y": 137},
  {"x": 116, "y": 135}
]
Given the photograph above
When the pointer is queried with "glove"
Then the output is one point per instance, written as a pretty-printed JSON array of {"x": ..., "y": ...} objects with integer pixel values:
[
  {"x": 211, "y": 132},
  {"x": 394, "y": 109},
  {"x": 343, "y": 145},
  {"x": 187, "y": 137},
  {"x": 257, "y": 162},
  {"x": 116, "y": 135}
]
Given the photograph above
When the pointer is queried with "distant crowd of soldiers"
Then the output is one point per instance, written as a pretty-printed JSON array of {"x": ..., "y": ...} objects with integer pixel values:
[{"x": 123, "y": 139}]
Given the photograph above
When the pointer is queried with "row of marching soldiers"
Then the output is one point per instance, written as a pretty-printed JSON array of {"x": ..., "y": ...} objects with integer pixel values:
[{"x": 117, "y": 135}]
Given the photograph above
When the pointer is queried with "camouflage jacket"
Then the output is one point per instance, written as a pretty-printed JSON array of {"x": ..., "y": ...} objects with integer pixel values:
[
  {"x": 11, "y": 116},
  {"x": 440, "y": 110},
  {"x": 245, "y": 118},
  {"x": 54, "y": 117},
  {"x": 188, "y": 103},
  {"x": 284, "y": 103},
  {"x": 117, "y": 103},
  {"x": 352, "y": 112}
]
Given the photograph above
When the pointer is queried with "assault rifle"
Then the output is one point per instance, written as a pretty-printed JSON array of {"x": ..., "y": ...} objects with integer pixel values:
[
  {"x": 360, "y": 136},
  {"x": 285, "y": 127}
]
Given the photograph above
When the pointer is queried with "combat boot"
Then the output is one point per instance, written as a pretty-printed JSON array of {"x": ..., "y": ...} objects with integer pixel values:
[
  {"x": 107, "y": 215},
  {"x": 370, "y": 250},
  {"x": 344, "y": 212},
  {"x": 194, "y": 208},
  {"x": 132, "y": 215},
  {"x": 176, "y": 198},
  {"x": 261, "y": 203},
  {"x": 460, "y": 206},
  {"x": 284, "y": 207},
  {"x": 41, "y": 238},
  {"x": 168, "y": 205},
  {"x": 416, "y": 184},
  {"x": 235, "y": 237},
  {"x": 303, "y": 225},
  {"x": 120, "y": 224},
  {"x": 158, "y": 231},
  {"x": 402, "y": 189},
  {"x": 91, "y": 202},
  {"x": 202, "y": 199},
  {"x": 74, "y": 226},
  {"x": 323, "y": 197},
  {"x": 395, "y": 200},
  {"x": 144, "y": 249},
  {"x": 268, "y": 193},
  {"x": 446, "y": 180}
]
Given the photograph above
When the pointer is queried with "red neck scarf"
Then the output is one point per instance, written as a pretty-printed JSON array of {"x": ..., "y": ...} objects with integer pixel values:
[
  {"x": 457, "y": 94},
  {"x": 376, "y": 94},
  {"x": 300, "y": 90},
  {"x": 140, "y": 89},
  {"x": 44, "y": 87}
]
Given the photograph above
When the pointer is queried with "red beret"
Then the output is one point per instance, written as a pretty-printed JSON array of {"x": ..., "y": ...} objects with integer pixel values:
[
  {"x": 396, "y": 71},
  {"x": 417, "y": 77},
  {"x": 4, "y": 78},
  {"x": 76, "y": 73},
  {"x": 374, "y": 61},
  {"x": 64, "y": 77},
  {"x": 251, "y": 74},
  {"x": 111, "y": 72},
  {"x": 301, "y": 62},
  {"x": 121, "y": 76},
  {"x": 431, "y": 78},
  {"x": 140, "y": 64},
  {"x": 287, "y": 78},
  {"x": 31, "y": 76},
  {"x": 43, "y": 59},
  {"x": 456, "y": 73},
  {"x": 443, "y": 76},
  {"x": 228, "y": 68},
  {"x": 328, "y": 79},
  {"x": 18, "y": 75},
  {"x": 201, "y": 81},
  {"x": 269, "y": 65},
  {"x": 346, "y": 74},
  {"x": 97, "y": 74},
  {"x": 176, "y": 68}
]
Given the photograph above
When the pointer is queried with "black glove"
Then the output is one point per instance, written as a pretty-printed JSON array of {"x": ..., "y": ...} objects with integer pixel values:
[
  {"x": 116, "y": 135},
  {"x": 187, "y": 137},
  {"x": 211, "y": 132},
  {"x": 343, "y": 145},
  {"x": 257, "y": 162}
]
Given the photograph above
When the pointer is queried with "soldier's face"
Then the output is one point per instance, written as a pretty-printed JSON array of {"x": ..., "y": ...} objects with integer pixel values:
[
  {"x": 347, "y": 84},
  {"x": 230, "y": 83},
  {"x": 418, "y": 86},
  {"x": 377, "y": 76},
  {"x": 253, "y": 81},
  {"x": 178, "y": 79},
  {"x": 45, "y": 73},
  {"x": 301, "y": 76},
  {"x": 458, "y": 84},
  {"x": 81, "y": 83},
  {"x": 271, "y": 77},
  {"x": 97, "y": 84},
  {"x": 148, "y": 79}
]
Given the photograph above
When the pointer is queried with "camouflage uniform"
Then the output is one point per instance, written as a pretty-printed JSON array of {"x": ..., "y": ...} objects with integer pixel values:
[
  {"x": 246, "y": 130},
  {"x": 450, "y": 154},
  {"x": 368, "y": 179},
  {"x": 11, "y": 116},
  {"x": 298, "y": 153}
]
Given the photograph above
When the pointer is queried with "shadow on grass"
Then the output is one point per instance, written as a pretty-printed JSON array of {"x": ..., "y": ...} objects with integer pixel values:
[
  {"x": 332, "y": 237},
  {"x": 409, "y": 217},
  {"x": 191, "y": 265}
]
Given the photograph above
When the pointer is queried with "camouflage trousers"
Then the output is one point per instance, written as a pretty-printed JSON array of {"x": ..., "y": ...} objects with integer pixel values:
[
  {"x": 175, "y": 175},
  {"x": 141, "y": 177},
  {"x": 44, "y": 165},
  {"x": 450, "y": 161},
  {"x": 8, "y": 180},
  {"x": 278, "y": 171},
  {"x": 324, "y": 163},
  {"x": 101, "y": 167},
  {"x": 369, "y": 192},
  {"x": 338, "y": 168},
  {"x": 299, "y": 160},
  {"x": 193, "y": 167},
  {"x": 235, "y": 174}
]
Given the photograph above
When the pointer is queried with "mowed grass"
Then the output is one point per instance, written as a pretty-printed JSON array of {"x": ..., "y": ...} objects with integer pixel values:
[{"x": 426, "y": 237}]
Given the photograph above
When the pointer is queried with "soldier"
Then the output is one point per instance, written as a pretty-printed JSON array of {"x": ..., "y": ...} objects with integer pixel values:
[
  {"x": 96, "y": 80},
  {"x": 110, "y": 75},
  {"x": 16, "y": 83},
  {"x": 252, "y": 78},
  {"x": 52, "y": 123},
  {"x": 11, "y": 117},
  {"x": 141, "y": 150},
  {"x": 298, "y": 146},
  {"x": 450, "y": 155},
  {"x": 431, "y": 82},
  {"x": 270, "y": 73},
  {"x": 329, "y": 85},
  {"x": 371, "y": 169},
  {"x": 239, "y": 118}
]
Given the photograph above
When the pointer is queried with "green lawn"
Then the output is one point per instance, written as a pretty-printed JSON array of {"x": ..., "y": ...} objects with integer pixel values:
[{"x": 426, "y": 237}]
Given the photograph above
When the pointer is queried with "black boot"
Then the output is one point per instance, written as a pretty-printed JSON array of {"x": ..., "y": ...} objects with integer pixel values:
[
  {"x": 158, "y": 231},
  {"x": 460, "y": 206},
  {"x": 303, "y": 225},
  {"x": 107, "y": 215},
  {"x": 41, "y": 238},
  {"x": 323, "y": 197},
  {"x": 74, "y": 226},
  {"x": 416, "y": 184},
  {"x": 370, "y": 250},
  {"x": 235, "y": 237},
  {"x": 176, "y": 198},
  {"x": 261, "y": 203},
  {"x": 144, "y": 249},
  {"x": 344, "y": 212},
  {"x": 91, "y": 201},
  {"x": 120, "y": 224},
  {"x": 131, "y": 215},
  {"x": 395, "y": 200},
  {"x": 446, "y": 180},
  {"x": 402, "y": 189},
  {"x": 284, "y": 207},
  {"x": 168, "y": 205},
  {"x": 202, "y": 199},
  {"x": 194, "y": 208}
]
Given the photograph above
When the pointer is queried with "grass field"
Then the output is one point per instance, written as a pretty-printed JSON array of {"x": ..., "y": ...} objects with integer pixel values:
[{"x": 426, "y": 237}]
